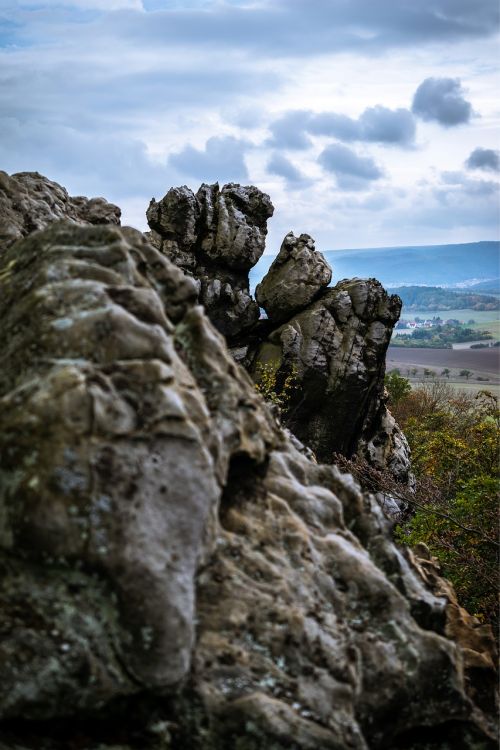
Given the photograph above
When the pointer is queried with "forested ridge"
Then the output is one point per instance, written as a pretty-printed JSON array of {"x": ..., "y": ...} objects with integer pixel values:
[{"x": 437, "y": 298}]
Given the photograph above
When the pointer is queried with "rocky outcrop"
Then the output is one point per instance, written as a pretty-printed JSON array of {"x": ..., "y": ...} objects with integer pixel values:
[
  {"x": 333, "y": 342},
  {"x": 177, "y": 573},
  {"x": 335, "y": 349},
  {"x": 296, "y": 277},
  {"x": 216, "y": 235},
  {"x": 29, "y": 201}
]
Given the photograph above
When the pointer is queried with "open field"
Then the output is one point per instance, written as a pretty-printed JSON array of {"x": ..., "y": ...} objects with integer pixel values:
[
  {"x": 479, "y": 316},
  {"x": 483, "y": 364},
  {"x": 478, "y": 360},
  {"x": 472, "y": 387},
  {"x": 493, "y": 326}
]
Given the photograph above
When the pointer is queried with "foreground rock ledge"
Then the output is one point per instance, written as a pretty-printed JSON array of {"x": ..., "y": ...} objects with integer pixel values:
[{"x": 176, "y": 573}]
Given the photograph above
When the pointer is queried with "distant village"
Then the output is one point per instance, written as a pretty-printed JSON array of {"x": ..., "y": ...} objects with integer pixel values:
[{"x": 432, "y": 323}]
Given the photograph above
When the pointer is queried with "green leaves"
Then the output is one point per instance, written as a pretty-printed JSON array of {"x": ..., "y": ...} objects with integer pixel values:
[{"x": 397, "y": 386}]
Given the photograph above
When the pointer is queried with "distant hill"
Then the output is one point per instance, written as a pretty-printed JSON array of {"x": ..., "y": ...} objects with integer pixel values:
[
  {"x": 485, "y": 287},
  {"x": 436, "y": 298},
  {"x": 429, "y": 265}
]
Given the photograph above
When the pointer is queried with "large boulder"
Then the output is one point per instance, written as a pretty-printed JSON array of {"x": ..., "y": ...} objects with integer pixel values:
[
  {"x": 29, "y": 201},
  {"x": 177, "y": 573},
  {"x": 216, "y": 236},
  {"x": 334, "y": 350},
  {"x": 296, "y": 277}
]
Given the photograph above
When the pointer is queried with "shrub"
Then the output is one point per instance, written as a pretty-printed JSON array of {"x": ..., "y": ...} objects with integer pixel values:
[
  {"x": 397, "y": 386},
  {"x": 455, "y": 438},
  {"x": 275, "y": 389}
]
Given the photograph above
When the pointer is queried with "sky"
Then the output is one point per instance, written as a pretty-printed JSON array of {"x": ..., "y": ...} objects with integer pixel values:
[{"x": 369, "y": 122}]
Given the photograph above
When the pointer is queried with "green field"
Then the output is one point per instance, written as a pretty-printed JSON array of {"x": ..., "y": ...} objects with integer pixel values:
[{"x": 492, "y": 326}]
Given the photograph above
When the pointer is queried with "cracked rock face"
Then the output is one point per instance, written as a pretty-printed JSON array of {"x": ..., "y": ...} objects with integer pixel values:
[
  {"x": 176, "y": 572},
  {"x": 29, "y": 201},
  {"x": 216, "y": 236},
  {"x": 296, "y": 277},
  {"x": 336, "y": 349}
]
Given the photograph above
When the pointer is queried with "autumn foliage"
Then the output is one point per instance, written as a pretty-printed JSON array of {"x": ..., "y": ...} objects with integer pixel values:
[{"x": 454, "y": 438}]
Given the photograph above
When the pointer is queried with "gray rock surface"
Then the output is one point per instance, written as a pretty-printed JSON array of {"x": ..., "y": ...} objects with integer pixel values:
[
  {"x": 335, "y": 349},
  {"x": 104, "y": 399},
  {"x": 176, "y": 572},
  {"x": 216, "y": 236},
  {"x": 296, "y": 277},
  {"x": 29, "y": 201},
  {"x": 384, "y": 445}
]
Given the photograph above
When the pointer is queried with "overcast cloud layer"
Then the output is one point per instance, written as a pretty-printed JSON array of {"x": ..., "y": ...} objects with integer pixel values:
[{"x": 367, "y": 123}]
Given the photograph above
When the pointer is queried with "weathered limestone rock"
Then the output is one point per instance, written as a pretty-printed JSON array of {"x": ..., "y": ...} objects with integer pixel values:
[
  {"x": 308, "y": 633},
  {"x": 111, "y": 466},
  {"x": 336, "y": 350},
  {"x": 29, "y": 201},
  {"x": 216, "y": 235},
  {"x": 176, "y": 573},
  {"x": 296, "y": 277}
]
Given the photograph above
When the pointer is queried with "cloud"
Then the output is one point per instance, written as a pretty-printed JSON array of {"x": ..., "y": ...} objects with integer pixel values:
[
  {"x": 98, "y": 93},
  {"x": 114, "y": 164},
  {"x": 330, "y": 123},
  {"x": 353, "y": 172},
  {"x": 382, "y": 125},
  {"x": 484, "y": 158},
  {"x": 375, "y": 125},
  {"x": 280, "y": 28},
  {"x": 283, "y": 29},
  {"x": 288, "y": 131},
  {"x": 283, "y": 167},
  {"x": 105, "y": 5},
  {"x": 459, "y": 201},
  {"x": 442, "y": 100},
  {"x": 221, "y": 160}
]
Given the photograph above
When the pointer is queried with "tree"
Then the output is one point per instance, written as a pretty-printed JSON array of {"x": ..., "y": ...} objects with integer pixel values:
[
  {"x": 465, "y": 374},
  {"x": 397, "y": 386},
  {"x": 427, "y": 373},
  {"x": 446, "y": 372}
]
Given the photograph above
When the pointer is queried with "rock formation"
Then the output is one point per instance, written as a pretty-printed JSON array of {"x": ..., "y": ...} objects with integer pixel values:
[
  {"x": 29, "y": 201},
  {"x": 216, "y": 235},
  {"x": 336, "y": 349},
  {"x": 296, "y": 277},
  {"x": 333, "y": 340},
  {"x": 177, "y": 573}
]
